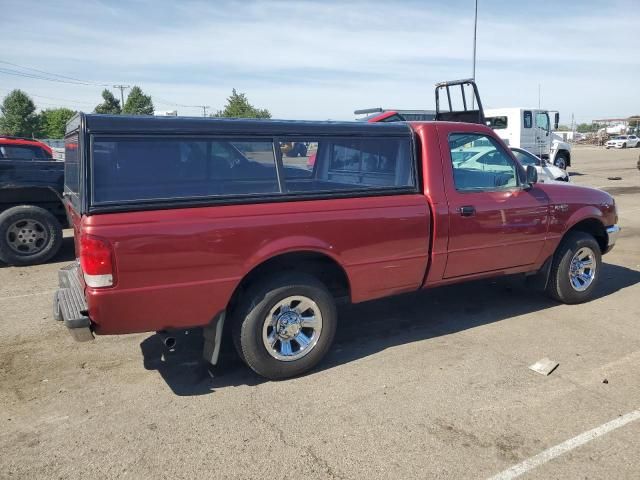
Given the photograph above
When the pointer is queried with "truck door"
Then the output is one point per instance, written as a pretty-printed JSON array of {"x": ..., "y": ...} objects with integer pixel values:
[
  {"x": 495, "y": 221},
  {"x": 543, "y": 134},
  {"x": 527, "y": 132}
]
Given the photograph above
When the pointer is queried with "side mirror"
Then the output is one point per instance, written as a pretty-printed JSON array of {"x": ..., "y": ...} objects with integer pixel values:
[
  {"x": 532, "y": 175},
  {"x": 556, "y": 121}
]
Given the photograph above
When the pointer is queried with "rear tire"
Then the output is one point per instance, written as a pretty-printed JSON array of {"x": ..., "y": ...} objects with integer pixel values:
[
  {"x": 29, "y": 235},
  {"x": 575, "y": 269},
  {"x": 273, "y": 330}
]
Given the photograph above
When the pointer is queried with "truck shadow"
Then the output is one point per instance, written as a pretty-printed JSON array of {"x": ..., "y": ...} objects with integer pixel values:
[{"x": 366, "y": 329}]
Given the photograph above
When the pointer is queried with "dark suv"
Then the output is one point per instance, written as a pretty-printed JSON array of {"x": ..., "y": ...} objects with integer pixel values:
[{"x": 31, "y": 209}]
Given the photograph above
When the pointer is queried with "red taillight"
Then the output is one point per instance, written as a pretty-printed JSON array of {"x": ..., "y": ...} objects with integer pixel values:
[{"x": 96, "y": 260}]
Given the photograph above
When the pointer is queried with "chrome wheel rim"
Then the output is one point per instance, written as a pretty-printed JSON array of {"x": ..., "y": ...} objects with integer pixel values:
[
  {"x": 292, "y": 328},
  {"x": 561, "y": 163},
  {"x": 582, "y": 270},
  {"x": 27, "y": 237}
]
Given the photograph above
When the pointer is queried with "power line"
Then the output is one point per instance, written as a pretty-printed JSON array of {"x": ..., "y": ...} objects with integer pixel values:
[
  {"x": 58, "y": 78},
  {"x": 55, "y": 98},
  {"x": 162, "y": 101},
  {"x": 50, "y": 74},
  {"x": 80, "y": 102},
  {"x": 17, "y": 73}
]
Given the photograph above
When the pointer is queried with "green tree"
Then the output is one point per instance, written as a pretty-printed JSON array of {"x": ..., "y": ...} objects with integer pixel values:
[
  {"x": 239, "y": 107},
  {"x": 564, "y": 128},
  {"x": 19, "y": 116},
  {"x": 110, "y": 104},
  {"x": 589, "y": 127},
  {"x": 138, "y": 103},
  {"x": 53, "y": 122}
]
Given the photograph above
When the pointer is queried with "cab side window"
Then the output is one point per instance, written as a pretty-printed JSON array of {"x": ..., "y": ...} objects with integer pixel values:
[
  {"x": 481, "y": 164},
  {"x": 528, "y": 119}
]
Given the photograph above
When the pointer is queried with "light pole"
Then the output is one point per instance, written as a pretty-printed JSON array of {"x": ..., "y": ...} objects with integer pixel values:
[{"x": 475, "y": 34}]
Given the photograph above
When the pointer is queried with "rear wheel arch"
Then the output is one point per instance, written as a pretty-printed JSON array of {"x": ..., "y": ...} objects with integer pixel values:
[
  {"x": 46, "y": 198},
  {"x": 319, "y": 265},
  {"x": 29, "y": 194}
]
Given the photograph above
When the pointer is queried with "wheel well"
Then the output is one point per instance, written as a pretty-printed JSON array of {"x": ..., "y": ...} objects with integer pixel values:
[
  {"x": 43, "y": 197},
  {"x": 593, "y": 227},
  {"x": 324, "y": 268}
]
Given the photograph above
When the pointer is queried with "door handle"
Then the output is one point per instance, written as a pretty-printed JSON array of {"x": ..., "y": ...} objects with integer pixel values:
[{"x": 467, "y": 210}]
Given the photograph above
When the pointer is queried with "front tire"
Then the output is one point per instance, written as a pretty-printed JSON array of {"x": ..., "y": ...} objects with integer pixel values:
[
  {"x": 575, "y": 269},
  {"x": 29, "y": 235},
  {"x": 285, "y": 325},
  {"x": 561, "y": 161}
]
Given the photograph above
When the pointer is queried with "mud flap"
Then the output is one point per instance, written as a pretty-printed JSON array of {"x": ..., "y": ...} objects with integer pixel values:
[
  {"x": 213, "y": 339},
  {"x": 540, "y": 279}
]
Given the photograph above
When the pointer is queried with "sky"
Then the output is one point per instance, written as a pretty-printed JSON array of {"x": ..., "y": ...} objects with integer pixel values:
[{"x": 324, "y": 59}]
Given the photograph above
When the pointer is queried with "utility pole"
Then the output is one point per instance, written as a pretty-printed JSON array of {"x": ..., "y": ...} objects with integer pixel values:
[
  {"x": 573, "y": 124},
  {"x": 121, "y": 88},
  {"x": 204, "y": 110}
]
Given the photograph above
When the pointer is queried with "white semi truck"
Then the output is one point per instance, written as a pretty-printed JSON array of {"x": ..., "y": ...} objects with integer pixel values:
[{"x": 531, "y": 130}]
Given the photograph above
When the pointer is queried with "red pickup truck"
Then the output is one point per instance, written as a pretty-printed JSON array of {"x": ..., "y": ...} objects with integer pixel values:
[{"x": 198, "y": 222}]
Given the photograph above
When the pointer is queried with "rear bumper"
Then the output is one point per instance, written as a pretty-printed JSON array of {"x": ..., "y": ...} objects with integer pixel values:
[
  {"x": 612, "y": 236},
  {"x": 70, "y": 306}
]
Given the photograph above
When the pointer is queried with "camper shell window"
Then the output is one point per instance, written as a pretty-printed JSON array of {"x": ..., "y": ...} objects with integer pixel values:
[
  {"x": 200, "y": 162},
  {"x": 129, "y": 170}
]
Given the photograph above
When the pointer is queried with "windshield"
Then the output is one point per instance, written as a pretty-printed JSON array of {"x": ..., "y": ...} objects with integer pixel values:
[{"x": 526, "y": 158}]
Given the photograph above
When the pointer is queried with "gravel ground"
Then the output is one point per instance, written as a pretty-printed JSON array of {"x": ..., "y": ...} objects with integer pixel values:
[{"x": 428, "y": 385}]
